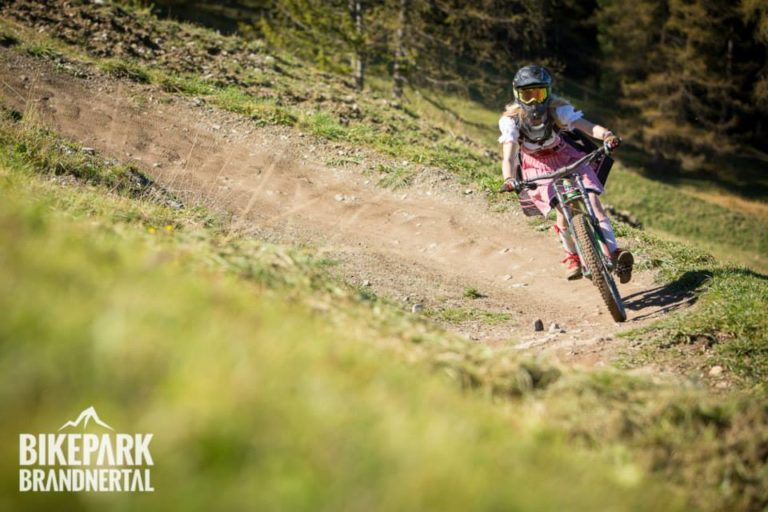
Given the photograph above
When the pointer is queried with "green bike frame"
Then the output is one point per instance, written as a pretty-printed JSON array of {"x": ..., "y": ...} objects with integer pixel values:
[{"x": 573, "y": 198}]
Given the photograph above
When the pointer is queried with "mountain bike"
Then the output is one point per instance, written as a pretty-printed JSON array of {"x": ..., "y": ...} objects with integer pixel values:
[{"x": 596, "y": 262}]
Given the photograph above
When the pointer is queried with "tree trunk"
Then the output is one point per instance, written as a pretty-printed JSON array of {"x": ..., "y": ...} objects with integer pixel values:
[
  {"x": 359, "y": 59},
  {"x": 399, "y": 70}
]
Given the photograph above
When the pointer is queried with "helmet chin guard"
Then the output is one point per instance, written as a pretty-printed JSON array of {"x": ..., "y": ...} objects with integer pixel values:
[{"x": 536, "y": 123}]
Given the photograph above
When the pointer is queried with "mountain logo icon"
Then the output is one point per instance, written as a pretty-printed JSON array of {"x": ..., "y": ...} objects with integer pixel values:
[{"x": 86, "y": 416}]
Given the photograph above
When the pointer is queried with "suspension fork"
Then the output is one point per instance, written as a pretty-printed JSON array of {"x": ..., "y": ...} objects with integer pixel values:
[
  {"x": 566, "y": 208},
  {"x": 595, "y": 224}
]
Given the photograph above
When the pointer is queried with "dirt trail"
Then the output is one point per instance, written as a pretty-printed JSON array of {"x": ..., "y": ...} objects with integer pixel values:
[{"x": 427, "y": 243}]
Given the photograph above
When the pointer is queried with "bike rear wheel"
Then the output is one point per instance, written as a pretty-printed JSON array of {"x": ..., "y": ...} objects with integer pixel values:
[{"x": 601, "y": 277}]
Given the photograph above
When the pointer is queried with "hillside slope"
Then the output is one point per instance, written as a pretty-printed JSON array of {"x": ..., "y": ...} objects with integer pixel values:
[
  {"x": 377, "y": 210},
  {"x": 428, "y": 242}
]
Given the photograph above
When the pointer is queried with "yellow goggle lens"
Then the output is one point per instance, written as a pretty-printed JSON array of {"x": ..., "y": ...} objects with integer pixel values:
[{"x": 533, "y": 95}]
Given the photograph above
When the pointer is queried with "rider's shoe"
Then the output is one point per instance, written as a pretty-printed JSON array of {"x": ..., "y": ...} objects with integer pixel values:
[
  {"x": 573, "y": 263},
  {"x": 623, "y": 262}
]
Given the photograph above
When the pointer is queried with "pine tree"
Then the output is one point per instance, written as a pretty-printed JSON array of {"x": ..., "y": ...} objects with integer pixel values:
[
  {"x": 682, "y": 68},
  {"x": 755, "y": 14}
]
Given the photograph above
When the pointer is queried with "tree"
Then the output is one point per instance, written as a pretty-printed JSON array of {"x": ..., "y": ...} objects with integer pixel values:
[
  {"x": 402, "y": 34},
  {"x": 682, "y": 70},
  {"x": 755, "y": 13}
]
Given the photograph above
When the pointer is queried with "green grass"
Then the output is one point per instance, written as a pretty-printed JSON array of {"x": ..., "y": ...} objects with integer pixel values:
[
  {"x": 728, "y": 316},
  {"x": 472, "y": 293},
  {"x": 125, "y": 69},
  {"x": 728, "y": 232},
  {"x": 460, "y": 315},
  {"x": 395, "y": 176}
]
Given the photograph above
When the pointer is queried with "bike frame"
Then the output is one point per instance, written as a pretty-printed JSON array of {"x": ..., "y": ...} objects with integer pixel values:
[
  {"x": 573, "y": 198},
  {"x": 576, "y": 197}
]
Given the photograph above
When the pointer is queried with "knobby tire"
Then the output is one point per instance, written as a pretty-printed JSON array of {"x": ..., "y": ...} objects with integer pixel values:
[{"x": 600, "y": 275}]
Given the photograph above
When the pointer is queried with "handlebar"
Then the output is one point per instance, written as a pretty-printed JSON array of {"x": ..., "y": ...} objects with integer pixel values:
[{"x": 563, "y": 171}]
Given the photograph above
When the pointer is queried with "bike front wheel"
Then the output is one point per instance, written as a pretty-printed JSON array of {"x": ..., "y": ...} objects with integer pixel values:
[{"x": 592, "y": 258}]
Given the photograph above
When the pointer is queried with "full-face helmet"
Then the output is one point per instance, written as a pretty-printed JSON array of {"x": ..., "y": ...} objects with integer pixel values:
[{"x": 532, "y": 87}]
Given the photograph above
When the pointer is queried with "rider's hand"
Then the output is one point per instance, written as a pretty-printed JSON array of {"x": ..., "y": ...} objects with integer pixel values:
[
  {"x": 511, "y": 185},
  {"x": 611, "y": 141}
]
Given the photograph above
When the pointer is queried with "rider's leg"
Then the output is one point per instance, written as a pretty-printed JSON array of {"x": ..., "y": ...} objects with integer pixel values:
[
  {"x": 623, "y": 260},
  {"x": 605, "y": 222},
  {"x": 571, "y": 258}
]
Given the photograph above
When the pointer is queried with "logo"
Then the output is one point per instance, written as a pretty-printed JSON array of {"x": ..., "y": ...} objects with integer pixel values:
[{"x": 72, "y": 461}]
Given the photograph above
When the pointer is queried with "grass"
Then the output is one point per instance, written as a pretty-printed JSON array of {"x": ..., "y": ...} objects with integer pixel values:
[
  {"x": 728, "y": 317},
  {"x": 732, "y": 234},
  {"x": 125, "y": 69},
  {"x": 472, "y": 293},
  {"x": 461, "y": 315},
  {"x": 274, "y": 381},
  {"x": 311, "y": 401},
  {"x": 395, "y": 176}
]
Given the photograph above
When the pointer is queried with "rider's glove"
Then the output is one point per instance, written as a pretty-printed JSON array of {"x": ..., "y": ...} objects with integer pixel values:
[
  {"x": 511, "y": 185},
  {"x": 611, "y": 141}
]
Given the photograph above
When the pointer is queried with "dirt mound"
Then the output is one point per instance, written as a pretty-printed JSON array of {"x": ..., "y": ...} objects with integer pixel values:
[{"x": 107, "y": 30}]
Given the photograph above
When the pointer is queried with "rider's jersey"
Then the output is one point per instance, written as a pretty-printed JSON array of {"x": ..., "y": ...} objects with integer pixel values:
[{"x": 565, "y": 116}]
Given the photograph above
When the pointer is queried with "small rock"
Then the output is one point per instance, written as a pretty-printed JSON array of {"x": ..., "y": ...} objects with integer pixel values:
[
  {"x": 468, "y": 191},
  {"x": 366, "y": 283},
  {"x": 504, "y": 250},
  {"x": 722, "y": 384},
  {"x": 538, "y": 326},
  {"x": 339, "y": 197},
  {"x": 417, "y": 308},
  {"x": 554, "y": 327},
  {"x": 216, "y": 127},
  {"x": 89, "y": 151},
  {"x": 716, "y": 371},
  {"x": 156, "y": 165},
  {"x": 507, "y": 277}
]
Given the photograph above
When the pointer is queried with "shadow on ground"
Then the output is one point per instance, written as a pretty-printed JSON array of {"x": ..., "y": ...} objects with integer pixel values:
[
  {"x": 681, "y": 292},
  {"x": 670, "y": 297}
]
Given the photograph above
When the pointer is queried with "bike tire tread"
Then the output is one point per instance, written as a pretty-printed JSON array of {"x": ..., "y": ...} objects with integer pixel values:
[{"x": 592, "y": 259}]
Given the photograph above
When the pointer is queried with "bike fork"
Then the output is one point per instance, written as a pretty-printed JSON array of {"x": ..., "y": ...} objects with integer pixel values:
[
  {"x": 596, "y": 226},
  {"x": 569, "y": 223}
]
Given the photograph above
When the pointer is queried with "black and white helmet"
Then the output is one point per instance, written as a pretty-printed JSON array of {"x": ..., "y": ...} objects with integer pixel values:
[{"x": 532, "y": 87}]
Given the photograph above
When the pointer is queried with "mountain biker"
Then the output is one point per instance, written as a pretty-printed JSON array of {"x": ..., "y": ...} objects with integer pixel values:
[{"x": 529, "y": 135}]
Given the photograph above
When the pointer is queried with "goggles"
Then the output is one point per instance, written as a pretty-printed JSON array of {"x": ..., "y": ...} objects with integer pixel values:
[{"x": 532, "y": 95}]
